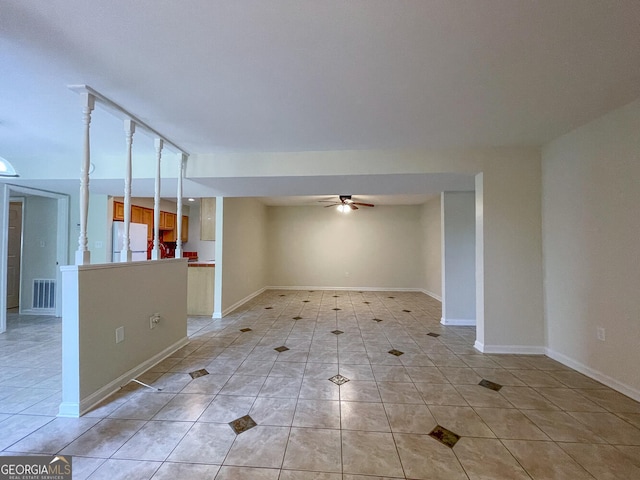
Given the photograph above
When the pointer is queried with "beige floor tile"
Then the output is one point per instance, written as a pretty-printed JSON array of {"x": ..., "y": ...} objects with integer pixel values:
[
  {"x": 319, "y": 389},
  {"x": 527, "y": 398},
  {"x": 461, "y": 376},
  {"x": 273, "y": 411},
  {"x": 390, "y": 373},
  {"x": 356, "y": 372},
  {"x": 610, "y": 427},
  {"x": 562, "y": 427},
  {"x": 142, "y": 406},
  {"x": 478, "y": 396},
  {"x": 317, "y": 414},
  {"x": 364, "y": 416},
  {"x": 225, "y": 409},
  {"x": 399, "y": 392},
  {"x": 154, "y": 441},
  {"x": 54, "y": 436},
  {"x": 602, "y": 461},
  {"x": 313, "y": 449},
  {"x": 261, "y": 446},
  {"x": 546, "y": 460},
  {"x": 570, "y": 400},
  {"x": 632, "y": 418},
  {"x": 113, "y": 469},
  {"x": 83, "y": 467},
  {"x": 243, "y": 385},
  {"x": 611, "y": 400},
  {"x": 425, "y": 458},
  {"x": 360, "y": 391},
  {"x": 485, "y": 458},
  {"x": 300, "y": 475},
  {"x": 441, "y": 394},
  {"x": 282, "y": 387},
  {"x": 510, "y": 423},
  {"x": 631, "y": 452},
  {"x": 247, "y": 473},
  {"x": 287, "y": 369},
  {"x": 370, "y": 453},
  {"x": 208, "y": 384},
  {"x": 407, "y": 418},
  {"x": 499, "y": 375},
  {"x": 573, "y": 379},
  {"x": 185, "y": 407},
  {"x": 426, "y": 374},
  {"x": 204, "y": 443},
  {"x": 103, "y": 439},
  {"x": 174, "y": 471},
  {"x": 461, "y": 420}
]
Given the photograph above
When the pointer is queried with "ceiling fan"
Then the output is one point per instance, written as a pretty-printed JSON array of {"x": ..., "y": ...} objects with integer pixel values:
[{"x": 346, "y": 203}]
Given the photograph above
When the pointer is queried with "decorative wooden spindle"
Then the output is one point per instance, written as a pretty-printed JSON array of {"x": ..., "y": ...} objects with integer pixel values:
[
  {"x": 182, "y": 158},
  {"x": 155, "y": 253},
  {"x": 83, "y": 255},
  {"x": 129, "y": 130}
]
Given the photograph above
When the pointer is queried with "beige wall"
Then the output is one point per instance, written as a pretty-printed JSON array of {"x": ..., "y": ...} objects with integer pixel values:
[
  {"x": 379, "y": 247},
  {"x": 432, "y": 235},
  {"x": 243, "y": 262},
  {"x": 592, "y": 261},
  {"x": 97, "y": 300}
]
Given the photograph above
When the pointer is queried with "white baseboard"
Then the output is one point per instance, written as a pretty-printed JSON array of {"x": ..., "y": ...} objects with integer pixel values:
[
  {"x": 74, "y": 410},
  {"x": 239, "y": 303},
  {"x": 38, "y": 311},
  {"x": 595, "y": 374},
  {"x": 460, "y": 322},
  {"x": 358, "y": 289},
  {"x": 432, "y": 295},
  {"x": 510, "y": 349}
]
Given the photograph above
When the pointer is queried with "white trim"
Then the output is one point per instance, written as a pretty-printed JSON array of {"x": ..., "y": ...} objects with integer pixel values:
[
  {"x": 238, "y": 304},
  {"x": 75, "y": 410},
  {"x": 460, "y": 322},
  {"x": 359, "y": 289},
  {"x": 510, "y": 349},
  {"x": 595, "y": 374},
  {"x": 432, "y": 295},
  {"x": 39, "y": 311}
]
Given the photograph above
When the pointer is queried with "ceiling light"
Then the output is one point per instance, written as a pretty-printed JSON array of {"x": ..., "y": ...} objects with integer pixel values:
[
  {"x": 192, "y": 199},
  {"x": 344, "y": 208},
  {"x": 6, "y": 169}
]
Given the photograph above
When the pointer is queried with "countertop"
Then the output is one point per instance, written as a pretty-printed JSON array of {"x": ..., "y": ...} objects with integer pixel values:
[{"x": 208, "y": 263}]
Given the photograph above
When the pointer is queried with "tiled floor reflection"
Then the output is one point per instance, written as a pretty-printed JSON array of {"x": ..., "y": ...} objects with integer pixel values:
[{"x": 323, "y": 385}]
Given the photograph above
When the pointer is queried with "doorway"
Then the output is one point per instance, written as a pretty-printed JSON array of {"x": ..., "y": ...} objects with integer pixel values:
[{"x": 14, "y": 254}]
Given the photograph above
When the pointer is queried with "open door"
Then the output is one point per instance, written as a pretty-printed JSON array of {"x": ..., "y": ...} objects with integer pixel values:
[{"x": 14, "y": 254}]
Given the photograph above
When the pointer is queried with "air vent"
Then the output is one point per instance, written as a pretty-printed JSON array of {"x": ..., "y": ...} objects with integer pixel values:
[{"x": 44, "y": 294}]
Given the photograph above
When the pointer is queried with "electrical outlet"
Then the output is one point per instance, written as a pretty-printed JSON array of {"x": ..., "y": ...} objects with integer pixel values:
[
  {"x": 154, "y": 320},
  {"x": 119, "y": 334},
  {"x": 601, "y": 334}
]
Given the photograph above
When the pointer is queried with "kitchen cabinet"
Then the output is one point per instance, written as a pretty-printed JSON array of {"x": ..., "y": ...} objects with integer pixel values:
[
  {"x": 136, "y": 214},
  {"x": 167, "y": 221},
  {"x": 200, "y": 283},
  {"x": 147, "y": 218},
  {"x": 118, "y": 211},
  {"x": 185, "y": 229},
  {"x": 172, "y": 235},
  {"x": 207, "y": 219}
]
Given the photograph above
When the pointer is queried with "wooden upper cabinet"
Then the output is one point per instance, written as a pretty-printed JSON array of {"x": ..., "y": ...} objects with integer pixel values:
[
  {"x": 207, "y": 219},
  {"x": 185, "y": 229},
  {"x": 147, "y": 218},
  {"x": 118, "y": 211},
  {"x": 167, "y": 221},
  {"x": 136, "y": 214}
]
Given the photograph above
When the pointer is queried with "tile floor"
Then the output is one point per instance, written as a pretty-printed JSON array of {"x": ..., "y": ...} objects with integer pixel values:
[{"x": 385, "y": 417}]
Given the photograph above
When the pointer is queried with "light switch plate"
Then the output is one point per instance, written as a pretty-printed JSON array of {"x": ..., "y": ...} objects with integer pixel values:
[{"x": 119, "y": 334}]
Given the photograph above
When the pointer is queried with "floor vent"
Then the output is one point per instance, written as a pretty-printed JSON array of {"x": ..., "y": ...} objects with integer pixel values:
[{"x": 44, "y": 293}]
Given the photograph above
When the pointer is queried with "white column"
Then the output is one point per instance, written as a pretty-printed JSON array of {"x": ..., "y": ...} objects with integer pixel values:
[
  {"x": 182, "y": 158},
  {"x": 125, "y": 254},
  {"x": 155, "y": 253},
  {"x": 83, "y": 255}
]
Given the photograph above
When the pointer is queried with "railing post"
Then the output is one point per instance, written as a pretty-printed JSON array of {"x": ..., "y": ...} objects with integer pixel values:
[
  {"x": 125, "y": 254},
  {"x": 83, "y": 255},
  {"x": 155, "y": 253},
  {"x": 182, "y": 158}
]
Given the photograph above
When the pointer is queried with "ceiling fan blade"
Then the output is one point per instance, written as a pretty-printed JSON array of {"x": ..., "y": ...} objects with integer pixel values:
[
  {"x": 363, "y": 204},
  {"x": 352, "y": 206},
  {"x": 332, "y": 205},
  {"x": 327, "y": 201}
]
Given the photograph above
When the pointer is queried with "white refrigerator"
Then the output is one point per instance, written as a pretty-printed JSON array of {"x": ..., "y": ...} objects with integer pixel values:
[{"x": 137, "y": 241}]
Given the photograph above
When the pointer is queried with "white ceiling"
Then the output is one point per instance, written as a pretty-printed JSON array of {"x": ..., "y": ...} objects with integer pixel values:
[{"x": 296, "y": 75}]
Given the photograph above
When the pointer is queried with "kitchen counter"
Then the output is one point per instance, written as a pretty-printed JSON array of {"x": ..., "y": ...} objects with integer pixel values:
[{"x": 209, "y": 263}]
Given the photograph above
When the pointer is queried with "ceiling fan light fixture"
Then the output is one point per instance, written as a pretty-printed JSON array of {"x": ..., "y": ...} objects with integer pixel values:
[
  {"x": 6, "y": 169},
  {"x": 344, "y": 208}
]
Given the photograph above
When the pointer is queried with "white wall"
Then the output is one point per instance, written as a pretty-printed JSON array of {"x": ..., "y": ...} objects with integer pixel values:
[
  {"x": 99, "y": 228},
  {"x": 591, "y": 256},
  {"x": 458, "y": 258},
  {"x": 432, "y": 264},
  {"x": 39, "y": 245},
  {"x": 379, "y": 247},
  {"x": 241, "y": 270}
]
